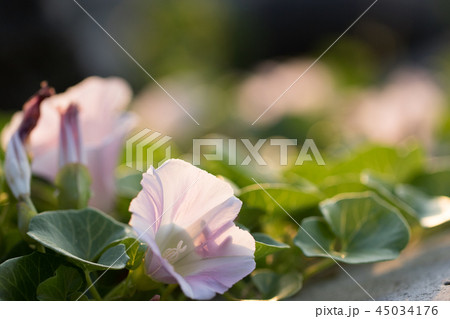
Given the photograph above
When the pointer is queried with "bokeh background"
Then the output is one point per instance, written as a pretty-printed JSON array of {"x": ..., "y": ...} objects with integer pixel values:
[
  {"x": 226, "y": 61},
  {"x": 376, "y": 104}
]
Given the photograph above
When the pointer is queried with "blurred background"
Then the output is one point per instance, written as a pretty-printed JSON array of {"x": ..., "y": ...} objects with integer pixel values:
[{"x": 226, "y": 61}]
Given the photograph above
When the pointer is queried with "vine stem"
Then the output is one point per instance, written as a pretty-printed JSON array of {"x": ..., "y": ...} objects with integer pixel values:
[
  {"x": 117, "y": 293},
  {"x": 92, "y": 288},
  {"x": 317, "y": 268},
  {"x": 169, "y": 289}
]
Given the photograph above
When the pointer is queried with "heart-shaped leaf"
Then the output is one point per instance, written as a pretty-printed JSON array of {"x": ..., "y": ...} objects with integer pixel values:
[
  {"x": 266, "y": 245},
  {"x": 136, "y": 251},
  {"x": 387, "y": 192},
  {"x": 66, "y": 285},
  {"x": 20, "y": 277},
  {"x": 356, "y": 228},
  {"x": 429, "y": 211},
  {"x": 275, "y": 286},
  {"x": 84, "y": 236}
]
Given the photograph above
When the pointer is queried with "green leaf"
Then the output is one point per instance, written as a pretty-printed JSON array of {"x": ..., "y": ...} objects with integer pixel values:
[
  {"x": 266, "y": 245},
  {"x": 397, "y": 164},
  {"x": 275, "y": 286},
  {"x": 129, "y": 183},
  {"x": 429, "y": 211},
  {"x": 339, "y": 186},
  {"x": 20, "y": 277},
  {"x": 387, "y": 191},
  {"x": 435, "y": 183},
  {"x": 82, "y": 236},
  {"x": 356, "y": 228},
  {"x": 290, "y": 198},
  {"x": 65, "y": 285},
  {"x": 136, "y": 251}
]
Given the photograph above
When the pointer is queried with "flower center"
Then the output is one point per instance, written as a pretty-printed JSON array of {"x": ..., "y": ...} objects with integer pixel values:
[{"x": 172, "y": 254}]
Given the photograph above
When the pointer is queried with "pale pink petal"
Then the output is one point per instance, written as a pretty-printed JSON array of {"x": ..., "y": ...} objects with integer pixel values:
[
  {"x": 148, "y": 204},
  {"x": 102, "y": 160},
  {"x": 216, "y": 275},
  {"x": 194, "y": 193},
  {"x": 101, "y": 101}
]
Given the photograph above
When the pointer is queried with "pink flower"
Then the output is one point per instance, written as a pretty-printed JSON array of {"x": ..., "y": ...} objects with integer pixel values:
[
  {"x": 103, "y": 126},
  {"x": 311, "y": 94},
  {"x": 17, "y": 167},
  {"x": 411, "y": 104},
  {"x": 185, "y": 215}
]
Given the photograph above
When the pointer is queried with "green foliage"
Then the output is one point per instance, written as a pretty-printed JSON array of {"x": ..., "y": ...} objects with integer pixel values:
[
  {"x": 84, "y": 236},
  {"x": 66, "y": 285},
  {"x": 436, "y": 183},
  {"x": 74, "y": 186},
  {"x": 136, "y": 251},
  {"x": 355, "y": 228},
  {"x": 398, "y": 165},
  {"x": 266, "y": 245},
  {"x": 21, "y": 276},
  {"x": 277, "y": 286},
  {"x": 289, "y": 197},
  {"x": 429, "y": 211}
]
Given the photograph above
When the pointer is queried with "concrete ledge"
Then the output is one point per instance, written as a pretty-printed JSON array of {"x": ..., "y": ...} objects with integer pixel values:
[{"x": 420, "y": 273}]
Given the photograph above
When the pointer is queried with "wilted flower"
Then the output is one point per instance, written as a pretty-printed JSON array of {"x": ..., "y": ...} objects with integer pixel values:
[
  {"x": 103, "y": 128},
  {"x": 185, "y": 215},
  {"x": 17, "y": 167}
]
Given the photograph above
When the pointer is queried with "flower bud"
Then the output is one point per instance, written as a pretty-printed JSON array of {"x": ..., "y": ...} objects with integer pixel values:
[
  {"x": 70, "y": 142},
  {"x": 17, "y": 167},
  {"x": 73, "y": 179}
]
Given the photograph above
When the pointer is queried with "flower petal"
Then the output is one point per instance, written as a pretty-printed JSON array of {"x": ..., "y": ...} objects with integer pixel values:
[{"x": 189, "y": 192}]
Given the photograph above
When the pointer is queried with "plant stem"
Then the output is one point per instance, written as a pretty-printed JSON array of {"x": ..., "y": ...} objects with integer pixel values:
[
  {"x": 229, "y": 297},
  {"x": 28, "y": 201},
  {"x": 168, "y": 291},
  {"x": 40, "y": 248},
  {"x": 91, "y": 286},
  {"x": 317, "y": 268},
  {"x": 124, "y": 288}
]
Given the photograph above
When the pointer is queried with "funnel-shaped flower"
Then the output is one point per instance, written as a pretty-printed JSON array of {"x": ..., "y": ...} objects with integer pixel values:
[
  {"x": 185, "y": 215},
  {"x": 17, "y": 167},
  {"x": 103, "y": 126}
]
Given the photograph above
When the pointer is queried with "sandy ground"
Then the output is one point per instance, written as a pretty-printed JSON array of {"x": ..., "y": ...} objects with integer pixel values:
[{"x": 420, "y": 273}]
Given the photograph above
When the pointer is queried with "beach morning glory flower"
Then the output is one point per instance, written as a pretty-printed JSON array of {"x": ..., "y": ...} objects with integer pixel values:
[
  {"x": 186, "y": 215},
  {"x": 103, "y": 126}
]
